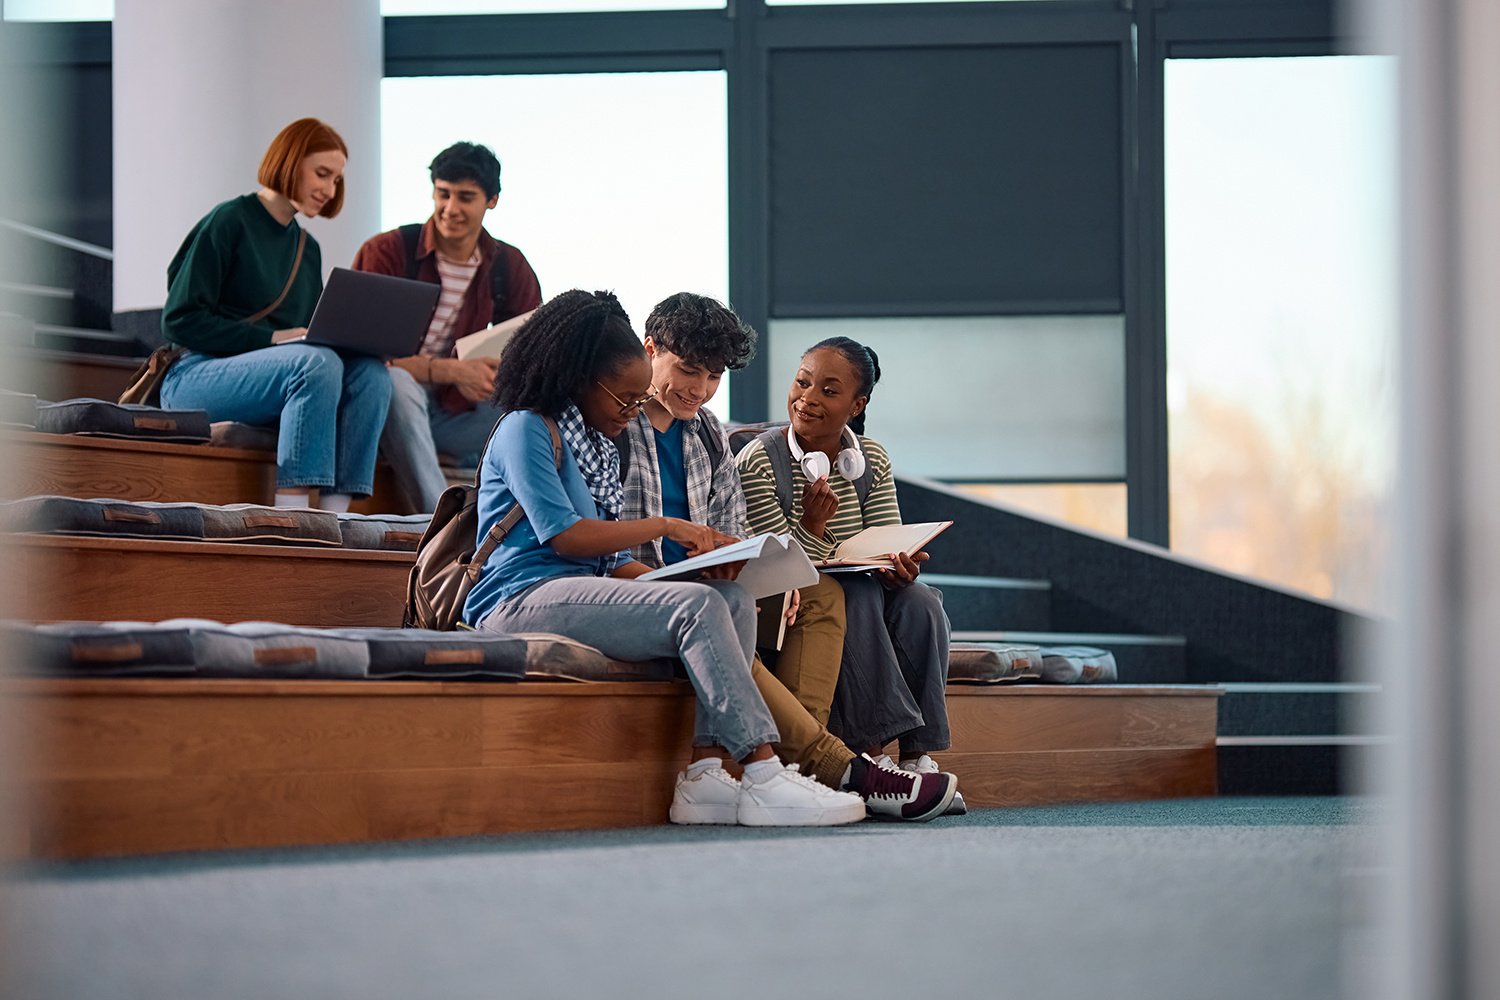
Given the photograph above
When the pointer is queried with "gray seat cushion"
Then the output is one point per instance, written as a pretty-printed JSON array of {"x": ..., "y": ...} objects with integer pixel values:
[
  {"x": 232, "y": 434},
  {"x": 114, "y": 518},
  {"x": 398, "y": 532},
  {"x": 557, "y": 658},
  {"x": 246, "y": 522},
  {"x": 418, "y": 654},
  {"x": 111, "y": 649},
  {"x": 993, "y": 663},
  {"x": 272, "y": 650},
  {"x": 98, "y": 418},
  {"x": 1078, "y": 665}
]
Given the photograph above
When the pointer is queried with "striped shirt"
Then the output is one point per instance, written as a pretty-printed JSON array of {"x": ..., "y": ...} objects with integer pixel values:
[
  {"x": 455, "y": 278},
  {"x": 765, "y": 513}
]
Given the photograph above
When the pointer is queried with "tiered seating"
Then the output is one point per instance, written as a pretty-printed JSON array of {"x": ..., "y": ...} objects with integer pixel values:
[{"x": 121, "y": 765}]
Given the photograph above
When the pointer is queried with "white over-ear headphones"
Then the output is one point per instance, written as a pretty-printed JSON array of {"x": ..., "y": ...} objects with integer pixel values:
[{"x": 850, "y": 463}]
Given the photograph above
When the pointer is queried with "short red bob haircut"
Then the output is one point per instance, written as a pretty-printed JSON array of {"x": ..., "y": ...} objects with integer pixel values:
[{"x": 278, "y": 170}]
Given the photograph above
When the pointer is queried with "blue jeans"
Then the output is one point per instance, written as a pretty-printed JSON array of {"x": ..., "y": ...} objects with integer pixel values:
[
  {"x": 418, "y": 428},
  {"x": 710, "y": 625},
  {"x": 330, "y": 408}
]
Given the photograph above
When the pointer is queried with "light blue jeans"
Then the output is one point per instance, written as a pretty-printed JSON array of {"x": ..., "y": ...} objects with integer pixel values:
[
  {"x": 418, "y": 428},
  {"x": 710, "y": 625},
  {"x": 330, "y": 408}
]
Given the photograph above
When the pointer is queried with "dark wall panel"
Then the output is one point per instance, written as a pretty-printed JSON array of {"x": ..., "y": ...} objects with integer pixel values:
[{"x": 984, "y": 178}]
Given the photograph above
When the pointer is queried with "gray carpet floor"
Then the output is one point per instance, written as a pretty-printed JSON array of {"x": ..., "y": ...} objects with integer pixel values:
[{"x": 1222, "y": 899}]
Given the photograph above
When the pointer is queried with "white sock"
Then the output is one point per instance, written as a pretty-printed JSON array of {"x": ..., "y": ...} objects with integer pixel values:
[
  {"x": 336, "y": 502},
  {"x": 758, "y": 771},
  {"x": 291, "y": 499},
  {"x": 698, "y": 767}
]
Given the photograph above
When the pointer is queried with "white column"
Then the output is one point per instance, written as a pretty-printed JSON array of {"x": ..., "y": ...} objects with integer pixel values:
[
  {"x": 1442, "y": 673},
  {"x": 200, "y": 89}
]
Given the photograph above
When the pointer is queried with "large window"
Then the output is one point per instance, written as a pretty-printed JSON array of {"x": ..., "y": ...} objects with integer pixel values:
[
  {"x": 1281, "y": 317},
  {"x": 608, "y": 181}
]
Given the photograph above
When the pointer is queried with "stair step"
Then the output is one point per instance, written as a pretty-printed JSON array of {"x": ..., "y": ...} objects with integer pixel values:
[
  {"x": 73, "y": 465},
  {"x": 67, "y": 374},
  {"x": 350, "y": 761},
  {"x": 63, "y": 578},
  {"x": 1275, "y": 710},
  {"x": 39, "y": 302},
  {"x": 1298, "y": 765},
  {"x": 87, "y": 340},
  {"x": 978, "y": 602},
  {"x": 1141, "y": 659}
]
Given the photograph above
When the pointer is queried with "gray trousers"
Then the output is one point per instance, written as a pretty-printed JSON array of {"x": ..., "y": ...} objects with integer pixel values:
[
  {"x": 709, "y": 625},
  {"x": 894, "y": 676}
]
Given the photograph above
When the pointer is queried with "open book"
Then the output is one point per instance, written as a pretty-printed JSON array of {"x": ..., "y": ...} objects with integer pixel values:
[
  {"x": 776, "y": 565},
  {"x": 489, "y": 342},
  {"x": 872, "y": 548}
]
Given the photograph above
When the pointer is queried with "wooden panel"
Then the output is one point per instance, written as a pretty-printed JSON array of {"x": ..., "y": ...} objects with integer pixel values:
[
  {"x": 1043, "y": 777},
  {"x": 1056, "y": 723},
  {"x": 102, "y": 579},
  {"x": 64, "y": 375},
  {"x": 76, "y": 466},
  {"x": 134, "y": 766}
]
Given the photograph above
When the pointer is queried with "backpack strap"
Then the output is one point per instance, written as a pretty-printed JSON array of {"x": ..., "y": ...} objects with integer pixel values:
[
  {"x": 499, "y": 275},
  {"x": 513, "y": 516},
  {"x": 410, "y": 234}
]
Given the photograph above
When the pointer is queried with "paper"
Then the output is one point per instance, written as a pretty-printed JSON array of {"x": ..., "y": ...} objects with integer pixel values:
[
  {"x": 776, "y": 565},
  {"x": 872, "y": 548},
  {"x": 489, "y": 342}
]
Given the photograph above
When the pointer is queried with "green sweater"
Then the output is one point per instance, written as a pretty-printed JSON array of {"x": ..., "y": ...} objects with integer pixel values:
[{"x": 232, "y": 265}]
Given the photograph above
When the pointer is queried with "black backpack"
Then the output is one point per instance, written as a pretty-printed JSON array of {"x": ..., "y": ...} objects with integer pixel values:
[
  {"x": 410, "y": 234},
  {"x": 780, "y": 454}
]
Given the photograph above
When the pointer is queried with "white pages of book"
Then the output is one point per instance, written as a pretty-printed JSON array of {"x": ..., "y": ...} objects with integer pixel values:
[
  {"x": 489, "y": 342},
  {"x": 777, "y": 563},
  {"x": 871, "y": 548}
]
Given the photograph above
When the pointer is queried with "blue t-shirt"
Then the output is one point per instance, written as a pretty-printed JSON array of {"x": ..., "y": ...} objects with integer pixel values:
[
  {"x": 674, "y": 499},
  {"x": 518, "y": 467}
]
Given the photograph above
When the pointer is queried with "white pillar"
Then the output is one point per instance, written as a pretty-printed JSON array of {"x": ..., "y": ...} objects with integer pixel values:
[
  {"x": 1442, "y": 673},
  {"x": 200, "y": 89}
]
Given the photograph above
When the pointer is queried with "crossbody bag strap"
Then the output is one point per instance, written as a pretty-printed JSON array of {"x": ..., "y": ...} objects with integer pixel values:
[
  {"x": 513, "y": 516},
  {"x": 296, "y": 266}
]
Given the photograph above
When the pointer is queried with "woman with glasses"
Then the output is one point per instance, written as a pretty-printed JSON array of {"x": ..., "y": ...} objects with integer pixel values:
[{"x": 577, "y": 369}]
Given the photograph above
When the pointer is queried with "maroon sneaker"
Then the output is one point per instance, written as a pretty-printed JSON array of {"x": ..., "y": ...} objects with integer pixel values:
[{"x": 901, "y": 795}]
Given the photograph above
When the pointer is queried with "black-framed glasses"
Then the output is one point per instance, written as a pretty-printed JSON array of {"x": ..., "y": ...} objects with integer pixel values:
[{"x": 626, "y": 409}]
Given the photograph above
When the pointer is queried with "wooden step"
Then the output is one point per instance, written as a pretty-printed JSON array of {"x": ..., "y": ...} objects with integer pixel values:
[
  {"x": 141, "y": 766},
  {"x": 118, "y": 579},
  {"x": 72, "y": 465},
  {"x": 68, "y": 375}
]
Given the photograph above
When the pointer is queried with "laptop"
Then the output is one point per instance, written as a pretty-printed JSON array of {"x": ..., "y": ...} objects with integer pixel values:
[{"x": 364, "y": 313}]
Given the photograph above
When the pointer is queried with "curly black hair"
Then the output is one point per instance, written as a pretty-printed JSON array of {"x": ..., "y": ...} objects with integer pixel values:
[
  {"x": 701, "y": 330},
  {"x": 570, "y": 341},
  {"x": 866, "y": 366},
  {"x": 467, "y": 161}
]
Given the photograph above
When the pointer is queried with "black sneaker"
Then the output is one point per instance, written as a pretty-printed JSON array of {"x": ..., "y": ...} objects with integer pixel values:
[{"x": 914, "y": 798}]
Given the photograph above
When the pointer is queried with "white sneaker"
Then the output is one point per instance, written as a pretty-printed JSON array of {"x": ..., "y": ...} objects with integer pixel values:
[
  {"x": 791, "y": 798},
  {"x": 713, "y": 796},
  {"x": 922, "y": 765}
]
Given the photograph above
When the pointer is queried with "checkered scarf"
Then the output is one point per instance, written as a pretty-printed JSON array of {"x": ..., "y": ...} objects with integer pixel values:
[{"x": 597, "y": 460}]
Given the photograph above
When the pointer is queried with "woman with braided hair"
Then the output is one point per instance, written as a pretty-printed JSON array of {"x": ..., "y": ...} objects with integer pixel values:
[
  {"x": 822, "y": 480},
  {"x": 576, "y": 370}
]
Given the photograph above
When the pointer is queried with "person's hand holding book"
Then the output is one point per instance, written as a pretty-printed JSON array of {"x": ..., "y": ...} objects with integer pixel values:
[{"x": 903, "y": 571}]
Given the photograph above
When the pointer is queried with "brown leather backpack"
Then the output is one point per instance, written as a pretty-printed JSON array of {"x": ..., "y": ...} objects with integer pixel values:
[{"x": 448, "y": 560}]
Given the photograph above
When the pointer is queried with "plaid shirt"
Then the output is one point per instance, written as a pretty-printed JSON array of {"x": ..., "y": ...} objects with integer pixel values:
[{"x": 713, "y": 493}]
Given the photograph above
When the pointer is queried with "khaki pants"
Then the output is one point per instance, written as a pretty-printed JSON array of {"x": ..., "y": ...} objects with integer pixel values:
[{"x": 806, "y": 673}]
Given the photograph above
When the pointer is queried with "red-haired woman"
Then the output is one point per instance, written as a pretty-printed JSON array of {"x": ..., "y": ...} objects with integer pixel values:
[{"x": 247, "y": 278}]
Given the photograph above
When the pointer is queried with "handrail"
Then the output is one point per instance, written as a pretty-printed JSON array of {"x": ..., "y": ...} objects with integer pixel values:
[{"x": 57, "y": 239}]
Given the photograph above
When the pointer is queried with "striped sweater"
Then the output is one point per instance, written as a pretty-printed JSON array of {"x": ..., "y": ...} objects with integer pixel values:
[{"x": 765, "y": 513}]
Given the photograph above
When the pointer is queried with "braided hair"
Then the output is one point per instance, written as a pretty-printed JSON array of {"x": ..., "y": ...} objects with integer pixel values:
[
  {"x": 571, "y": 340},
  {"x": 865, "y": 364}
]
